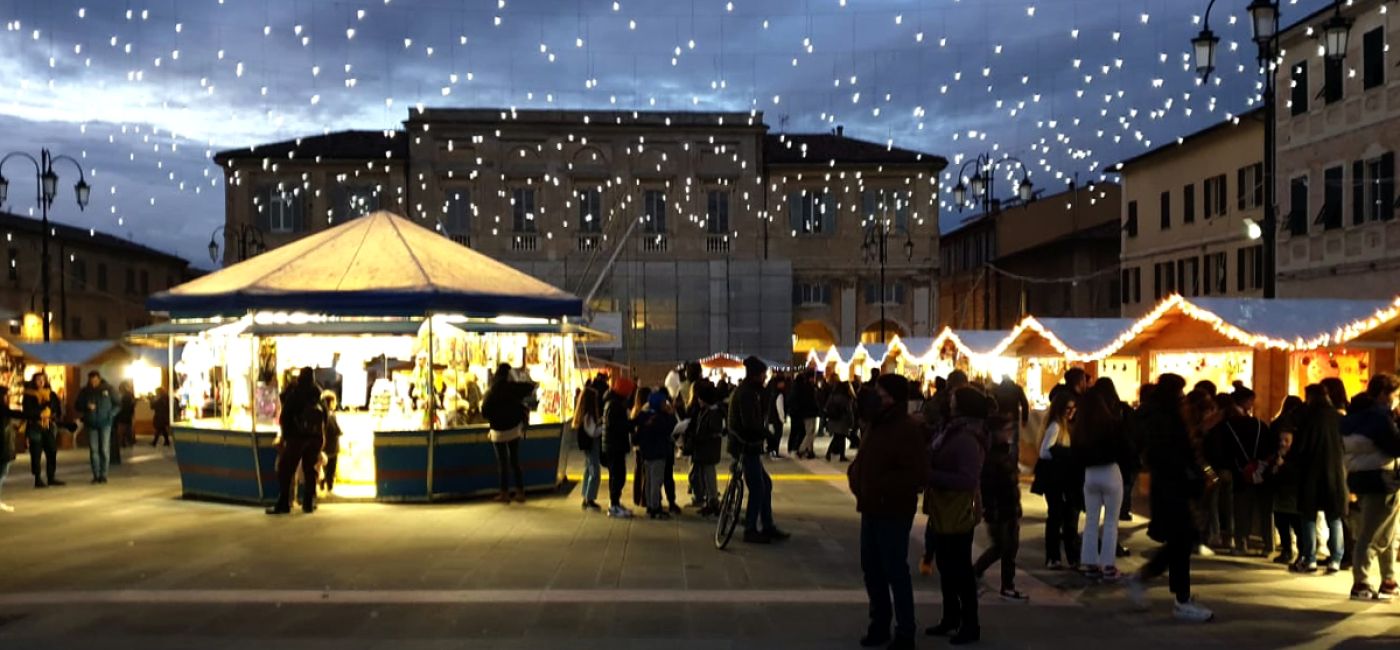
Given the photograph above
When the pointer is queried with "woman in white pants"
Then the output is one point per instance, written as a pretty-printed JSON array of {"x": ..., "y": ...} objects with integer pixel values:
[{"x": 1099, "y": 444}]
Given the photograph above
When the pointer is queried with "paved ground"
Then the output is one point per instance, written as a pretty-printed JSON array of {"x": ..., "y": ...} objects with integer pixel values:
[{"x": 131, "y": 565}]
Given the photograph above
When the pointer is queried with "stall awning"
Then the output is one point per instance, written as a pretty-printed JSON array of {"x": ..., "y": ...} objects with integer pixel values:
[
  {"x": 1298, "y": 321},
  {"x": 66, "y": 353},
  {"x": 379, "y": 264},
  {"x": 979, "y": 341},
  {"x": 1086, "y": 335}
]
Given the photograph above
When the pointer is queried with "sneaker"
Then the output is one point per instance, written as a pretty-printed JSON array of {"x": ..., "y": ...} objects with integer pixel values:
[
  {"x": 777, "y": 535},
  {"x": 1192, "y": 611},
  {"x": 275, "y": 510},
  {"x": 1204, "y": 551},
  {"x": 1283, "y": 558},
  {"x": 619, "y": 512},
  {"x": 96, "y": 480},
  {"x": 1110, "y": 574},
  {"x": 1333, "y": 569},
  {"x": 1363, "y": 591},
  {"x": 1137, "y": 592},
  {"x": 1013, "y": 596},
  {"x": 1122, "y": 551},
  {"x": 925, "y": 566},
  {"x": 1388, "y": 591},
  {"x": 1054, "y": 565},
  {"x": 755, "y": 537},
  {"x": 39, "y": 483},
  {"x": 1091, "y": 573},
  {"x": 5, "y": 507},
  {"x": 55, "y": 482},
  {"x": 1302, "y": 568},
  {"x": 675, "y": 509}
]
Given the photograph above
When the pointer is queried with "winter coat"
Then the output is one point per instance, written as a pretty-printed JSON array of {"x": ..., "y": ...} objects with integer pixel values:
[
  {"x": 1372, "y": 445},
  {"x": 1243, "y": 441},
  {"x": 98, "y": 406},
  {"x": 747, "y": 419},
  {"x": 892, "y": 467},
  {"x": 505, "y": 408},
  {"x": 1284, "y": 476},
  {"x": 654, "y": 430},
  {"x": 303, "y": 416},
  {"x": 956, "y": 457},
  {"x": 1177, "y": 477},
  {"x": 840, "y": 411},
  {"x": 126, "y": 407},
  {"x": 617, "y": 426},
  {"x": 160, "y": 407},
  {"x": 1000, "y": 481},
  {"x": 332, "y": 443},
  {"x": 804, "y": 399},
  {"x": 707, "y": 442},
  {"x": 1322, "y": 472},
  {"x": 33, "y": 406}
]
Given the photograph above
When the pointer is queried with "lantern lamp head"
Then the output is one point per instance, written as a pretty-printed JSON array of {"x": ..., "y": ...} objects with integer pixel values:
[
  {"x": 1204, "y": 45},
  {"x": 1336, "y": 33},
  {"x": 1264, "y": 18}
]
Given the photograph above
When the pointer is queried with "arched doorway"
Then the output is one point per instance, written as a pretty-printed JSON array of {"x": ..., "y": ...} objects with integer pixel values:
[
  {"x": 811, "y": 335},
  {"x": 871, "y": 334}
]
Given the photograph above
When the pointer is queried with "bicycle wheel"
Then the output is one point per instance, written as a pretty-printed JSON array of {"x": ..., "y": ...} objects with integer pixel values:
[{"x": 731, "y": 507}]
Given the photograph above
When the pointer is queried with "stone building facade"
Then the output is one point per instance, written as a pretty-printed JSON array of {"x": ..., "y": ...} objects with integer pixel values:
[
  {"x": 1187, "y": 210},
  {"x": 702, "y": 232},
  {"x": 1338, "y": 131}
]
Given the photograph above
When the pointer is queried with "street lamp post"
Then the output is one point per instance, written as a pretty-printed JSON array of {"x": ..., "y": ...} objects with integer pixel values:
[
  {"x": 983, "y": 187},
  {"x": 876, "y": 247},
  {"x": 1263, "y": 15},
  {"x": 248, "y": 237},
  {"x": 46, "y": 184}
]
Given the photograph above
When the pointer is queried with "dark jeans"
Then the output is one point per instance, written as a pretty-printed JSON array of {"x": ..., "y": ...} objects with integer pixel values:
[
  {"x": 796, "y": 433},
  {"x": 329, "y": 479},
  {"x": 1289, "y": 526},
  {"x": 884, "y": 559},
  {"x": 1061, "y": 527},
  {"x": 837, "y": 446},
  {"x": 954, "y": 556},
  {"x": 1006, "y": 541},
  {"x": 508, "y": 462},
  {"x": 668, "y": 481},
  {"x": 760, "y": 488},
  {"x": 303, "y": 452},
  {"x": 775, "y": 437},
  {"x": 1253, "y": 506},
  {"x": 1307, "y": 539},
  {"x": 617, "y": 477},
  {"x": 1174, "y": 557},
  {"x": 1129, "y": 486},
  {"x": 47, "y": 446},
  {"x": 161, "y": 430}
]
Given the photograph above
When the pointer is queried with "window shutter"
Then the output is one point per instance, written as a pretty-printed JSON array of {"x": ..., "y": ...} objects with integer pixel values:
[
  {"x": 1259, "y": 188},
  {"x": 1239, "y": 269},
  {"x": 262, "y": 209},
  {"x": 1358, "y": 192},
  {"x": 828, "y": 213},
  {"x": 1386, "y": 190},
  {"x": 1239, "y": 186}
]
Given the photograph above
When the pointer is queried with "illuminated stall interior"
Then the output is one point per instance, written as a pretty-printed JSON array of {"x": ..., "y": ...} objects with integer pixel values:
[{"x": 1042, "y": 360}]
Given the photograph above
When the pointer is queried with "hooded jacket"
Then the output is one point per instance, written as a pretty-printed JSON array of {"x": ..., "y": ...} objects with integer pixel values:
[
  {"x": 892, "y": 466},
  {"x": 98, "y": 406},
  {"x": 1371, "y": 444},
  {"x": 956, "y": 457}
]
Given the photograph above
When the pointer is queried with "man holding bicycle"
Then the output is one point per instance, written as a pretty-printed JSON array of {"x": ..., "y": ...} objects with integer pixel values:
[{"x": 748, "y": 431}]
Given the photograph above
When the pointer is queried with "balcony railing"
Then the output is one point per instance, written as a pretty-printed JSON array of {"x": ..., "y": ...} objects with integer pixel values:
[
  {"x": 717, "y": 244},
  {"x": 462, "y": 240},
  {"x": 525, "y": 243},
  {"x": 589, "y": 243},
  {"x": 656, "y": 244}
]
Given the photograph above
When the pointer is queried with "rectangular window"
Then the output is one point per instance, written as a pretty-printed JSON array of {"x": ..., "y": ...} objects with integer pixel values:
[
  {"x": 1331, "y": 216},
  {"x": 457, "y": 218},
  {"x": 590, "y": 211},
  {"x": 279, "y": 211},
  {"x": 1249, "y": 275},
  {"x": 810, "y": 213},
  {"x": 1298, "y": 92},
  {"x": 1216, "y": 281},
  {"x": 522, "y": 210},
  {"x": 1373, "y": 58},
  {"x": 1298, "y": 206},
  {"x": 654, "y": 212},
  {"x": 1166, "y": 210},
  {"x": 1188, "y": 204},
  {"x": 717, "y": 212},
  {"x": 1249, "y": 189},
  {"x": 1373, "y": 189},
  {"x": 1163, "y": 279},
  {"x": 1189, "y": 280},
  {"x": 894, "y": 293},
  {"x": 1332, "y": 72},
  {"x": 1132, "y": 286},
  {"x": 77, "y": 270},
  {"x": 102, "y": 276},
  {"x": 890, "y": 204},
  {"x": 811, "y": 294},
  {"x": 1137, "y": 284},
  {"x": 13, "y": 269},
  {"x": 1131, "y": 227},
  {"x": 1216, "y": 203}
]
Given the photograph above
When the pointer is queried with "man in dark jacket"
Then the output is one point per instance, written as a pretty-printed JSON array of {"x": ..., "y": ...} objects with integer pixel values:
[
  {"x": 97, "y": 406},
  {"x": 303, "y": 422},
  {"x": 747, "y": 419},
  {"x": 617, "y": 442},
  {"x": 886, "y": 479},
  {"x": 1372, "y": 444}
]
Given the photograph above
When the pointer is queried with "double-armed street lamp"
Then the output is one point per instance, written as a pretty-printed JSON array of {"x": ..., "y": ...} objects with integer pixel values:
[
  {"x": 875, "y": 247},
  {"x": 46, "y": 184},
  {"x": 982, "y": 184},
  {"x": 249, "y": 239},
  {"x": 1263, "y": 15}
]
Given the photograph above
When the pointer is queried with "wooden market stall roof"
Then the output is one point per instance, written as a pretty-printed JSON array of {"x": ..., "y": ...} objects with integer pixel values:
[{"x": 1053, "y": 337}]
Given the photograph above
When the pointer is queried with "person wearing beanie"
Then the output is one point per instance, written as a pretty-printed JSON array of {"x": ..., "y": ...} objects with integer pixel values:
[
  {"x": 886, "y": 479},
  {"x": 747, "y": 425},
  {"x": 956, "y": 457},
  {"x": 617, "y": 443},
  {"x": 654, "y": 444}
]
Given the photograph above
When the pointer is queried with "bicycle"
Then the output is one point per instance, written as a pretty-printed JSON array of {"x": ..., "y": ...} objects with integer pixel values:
[{"x": 731, "y": 506}]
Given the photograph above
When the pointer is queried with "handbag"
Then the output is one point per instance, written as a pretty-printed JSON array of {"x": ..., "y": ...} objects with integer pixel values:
[
  {"x": 952, "y": 512},
  {"x": 1253, "y": 469}
]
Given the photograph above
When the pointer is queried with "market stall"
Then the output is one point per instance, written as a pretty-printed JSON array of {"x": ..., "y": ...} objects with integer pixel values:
[
  {"x": 1085, "y": 336},
  {"x": 403, "y": 326},
  {"x": 66, "y": 363}
]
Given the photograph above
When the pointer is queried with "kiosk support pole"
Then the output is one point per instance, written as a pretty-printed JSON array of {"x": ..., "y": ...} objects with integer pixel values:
[
  {"x": 254, "y": 369},
  {"x": 432, "y": 406}
]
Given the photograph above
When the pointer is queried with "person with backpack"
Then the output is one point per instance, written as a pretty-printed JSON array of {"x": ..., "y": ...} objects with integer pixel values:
[
  {"x": 1247, "y": 448},
  {"x": 1372, "y": 443},
  {"x": 957, "y": 454},
  {"x": 706, "y": 444},
  {"x": 839, "y": 418},
  {"x": 654, "y": 428},
  {"x": 588, "y": 428},
  {"x": 303, "y": 422},
  {"x": 506, "y": 412}
]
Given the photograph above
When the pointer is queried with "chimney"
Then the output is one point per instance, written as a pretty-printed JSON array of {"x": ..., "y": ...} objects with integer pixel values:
[{"x": 840, "y": 130}]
